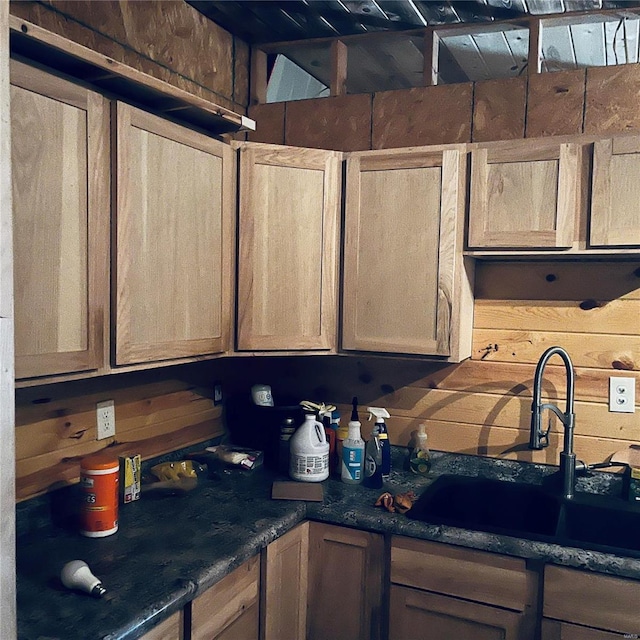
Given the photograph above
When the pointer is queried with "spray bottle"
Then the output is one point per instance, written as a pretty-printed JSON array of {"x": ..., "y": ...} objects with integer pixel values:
[
  {"x": 373, "y": 463},
  {"x": 353, "y": 450},
  {"x": 380, "y": 430},
  {"x": 420, "y": 456}
]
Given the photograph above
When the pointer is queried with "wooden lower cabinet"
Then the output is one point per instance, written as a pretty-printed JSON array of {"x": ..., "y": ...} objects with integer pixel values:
[
  {"x": 346, "y": 573},
  {"x": 230, "y": 609},
  {"x": 283, "y": 606},
  {"x": 170, "y": 629},
  {"x": 416, "y": 614},
  {"x": 583, "y": 605},
  {"x": 443, "y": 592}
]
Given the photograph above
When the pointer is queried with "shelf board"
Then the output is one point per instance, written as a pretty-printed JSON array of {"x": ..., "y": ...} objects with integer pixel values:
[{"x": 56, "y": 52}]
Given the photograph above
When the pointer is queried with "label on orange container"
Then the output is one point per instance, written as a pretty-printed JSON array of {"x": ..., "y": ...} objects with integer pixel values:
[{"x": 99, "y": 490}]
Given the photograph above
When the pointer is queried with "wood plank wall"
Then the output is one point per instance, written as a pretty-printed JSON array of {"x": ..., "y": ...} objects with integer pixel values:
[
  {"x": 480, "y": 406},
  {"x": 483, "y": 405},
  {"x": 156, "y": 412},
  {"x": 163, "y": 39},
  {"x": 596, "y": 100}
]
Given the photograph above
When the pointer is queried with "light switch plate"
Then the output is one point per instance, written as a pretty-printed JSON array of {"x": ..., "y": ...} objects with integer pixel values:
[{"x": 622, "y": 394}]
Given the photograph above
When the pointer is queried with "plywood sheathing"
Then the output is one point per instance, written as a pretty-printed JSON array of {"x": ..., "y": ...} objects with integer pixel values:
[
  {"x": 271, "y": 119},
  {"x": 163, "y": 39},
  {"x": 499, "y": 109},
  {"x": 423, "y": 115},
  {"x": 612, "y": 98},
  {"x": 555, "y": 103},
  {"x": 340, "y": 123}
]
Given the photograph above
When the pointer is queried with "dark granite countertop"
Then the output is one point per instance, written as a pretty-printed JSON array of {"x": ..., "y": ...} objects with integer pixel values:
[{"x": 171, "y": 548}]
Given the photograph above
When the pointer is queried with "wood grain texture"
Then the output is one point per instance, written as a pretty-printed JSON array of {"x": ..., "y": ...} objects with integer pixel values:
[
  {"x": 288, "y": 239},
  {"x": 422, "y": 115},
  {"x": 170, "y": 629},
  {"x": 525, "y": 194},
  {"x": 175, "y": 238},
  {"x": 284, "y": 584},
  {"x": 8, "y": 628},
  {"x": 61, "y": 231},
  {"x": 499, "y": 109},
  {"x": 615, "y": 212},
  {"x": 54, "y": 431},
  {"x": 475, "y": 575},
  {"x": 341, "y": 123},
  {"x": 611, "y": 99},
  {"x": 164, "y": 40},
  {"x": 555, "y": 103},
  {"x": 390, "y": 204},
  {"x": 231, "y": 602},
  {"x": 354, "y": 560},
  {"x": 569, "y": 595},
  {"x": 269, "y": 122},
  {"x": 448, "y": 617}
]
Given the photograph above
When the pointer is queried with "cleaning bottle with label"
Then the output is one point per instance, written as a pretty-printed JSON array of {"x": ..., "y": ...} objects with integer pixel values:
[
  {"x": 380, "y": 429},
  {"x": 309, "y": 451},
  {"x": 373, "y": 463},
  {"x": 420, "y": 456},
  {"x": 353, "y": 450}
]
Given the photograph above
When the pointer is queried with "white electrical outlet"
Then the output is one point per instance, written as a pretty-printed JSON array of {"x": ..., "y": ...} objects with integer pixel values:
[
  {"x": 622, "y": 395},
  {"x": 106, "y": 419}
]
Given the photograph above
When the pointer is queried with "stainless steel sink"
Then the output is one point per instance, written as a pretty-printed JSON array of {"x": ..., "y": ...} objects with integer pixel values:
[{"x": 601, "y": 523}]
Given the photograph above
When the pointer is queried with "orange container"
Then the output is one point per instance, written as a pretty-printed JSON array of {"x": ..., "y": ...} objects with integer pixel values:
[{"x": 99, "y": 486}]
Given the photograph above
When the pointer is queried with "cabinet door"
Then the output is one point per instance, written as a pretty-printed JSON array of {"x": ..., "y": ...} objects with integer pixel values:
[
  {"x": 405, "y": 288},
  {"x": 571, "y": 596},
  {"x": 525, "y": 195},
  {"x": 615, "y": 200},
  {"x": 288, "y": 248},
  {"x": 284, "y": 586},
  {"x": 230, "y": 609},
  {"x": 60, "y": 170},
  {"x": 174, "y": 240},
  {"x": 557, "y": 630},
  {"x": 346, "y": 569},
  {"x": 419, "y": 614},
  {"x": 170, "y": 629}
]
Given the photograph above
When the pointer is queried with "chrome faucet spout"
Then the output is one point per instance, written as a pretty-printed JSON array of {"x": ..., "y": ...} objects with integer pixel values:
[{"x": 539, "y": 438}]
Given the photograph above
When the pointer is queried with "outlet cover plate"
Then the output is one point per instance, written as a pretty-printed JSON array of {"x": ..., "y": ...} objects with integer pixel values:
[
  {"x": 106, "y": 419},
  {"x": 622, "y": 394}
]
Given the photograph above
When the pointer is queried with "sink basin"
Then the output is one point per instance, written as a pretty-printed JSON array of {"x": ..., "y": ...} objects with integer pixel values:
[
  {"x": 600, "y": 523},
  {"x": 495, "y": 506}
]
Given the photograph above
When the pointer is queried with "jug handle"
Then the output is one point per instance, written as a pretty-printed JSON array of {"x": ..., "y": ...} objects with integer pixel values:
[{"x": 322, "y": 436}]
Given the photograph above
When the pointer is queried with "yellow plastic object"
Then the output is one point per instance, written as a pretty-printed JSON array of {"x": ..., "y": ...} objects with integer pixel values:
[{"x": 174, "y": 470}]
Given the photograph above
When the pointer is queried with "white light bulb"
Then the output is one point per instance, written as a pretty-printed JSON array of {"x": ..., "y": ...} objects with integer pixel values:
[{"x": 77, "y": 575}]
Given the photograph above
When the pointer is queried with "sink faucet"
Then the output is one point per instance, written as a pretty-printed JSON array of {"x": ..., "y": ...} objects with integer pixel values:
[{"x": 539, "y": 438}]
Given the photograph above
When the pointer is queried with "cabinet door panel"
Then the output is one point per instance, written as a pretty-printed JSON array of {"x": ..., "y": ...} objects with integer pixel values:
[
  {"x": 525, "y": 195},
  {"x": 615, "y": 206},
  {"x": 60, "y": 220},
  {"x": 556, "y": 630},
  {"x": 570, "y": 595},
  {"x": 230, "y": 609},
  {"x": 284, "y": 586},
  {"x": 174, "y": 237},
  {"x": 420, "y": 614},
  {"x": 402, "y": 287},
  {"x": 345, "y": 583},
  {"x": 288, "y": 248},
  {"x": 170, "y": 629}
]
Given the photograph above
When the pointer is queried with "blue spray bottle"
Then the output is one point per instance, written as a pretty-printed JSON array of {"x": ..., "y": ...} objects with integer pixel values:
[{"x": 380, "y": 430}]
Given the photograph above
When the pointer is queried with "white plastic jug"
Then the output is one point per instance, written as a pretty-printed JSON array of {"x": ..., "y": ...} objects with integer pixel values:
[{"x": 309, "y": 452}]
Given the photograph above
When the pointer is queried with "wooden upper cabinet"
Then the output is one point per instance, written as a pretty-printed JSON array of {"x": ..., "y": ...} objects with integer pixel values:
[
  {"x": 615, "y": 201},
  {"x": 174, "y": 194},
  {"x": 288, "y": 248},
  {"x": 405, "y": 287},
  {"x": 60, "y": 168},
  {"x": 525, "y": 194}
]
